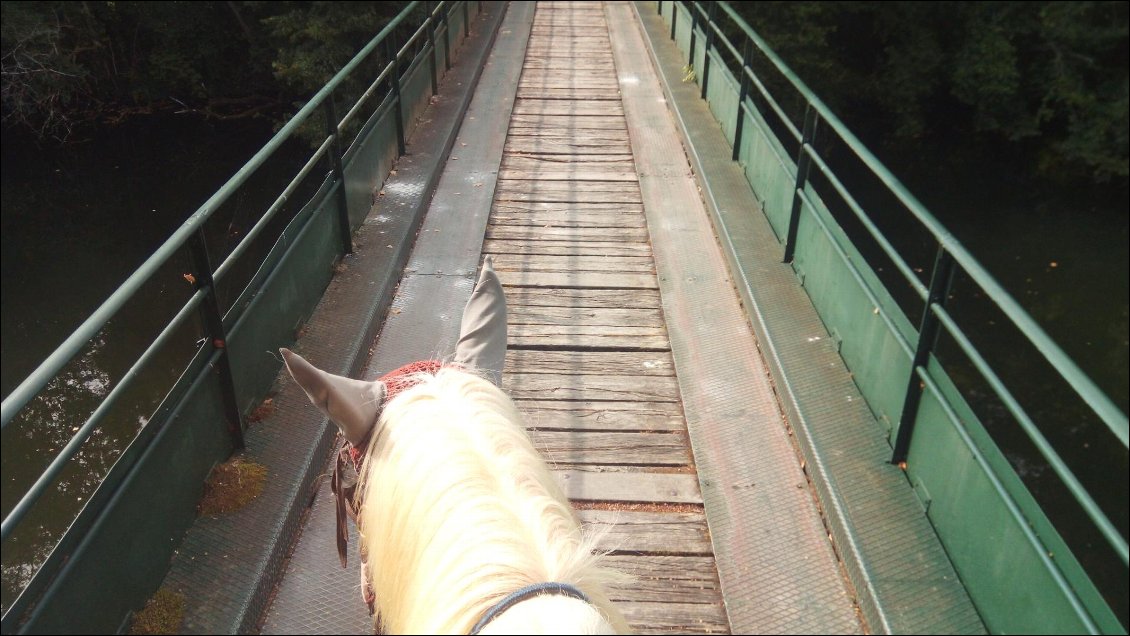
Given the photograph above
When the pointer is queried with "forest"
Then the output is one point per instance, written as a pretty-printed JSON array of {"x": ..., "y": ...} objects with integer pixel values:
[{"x": 1044, "y": 81}]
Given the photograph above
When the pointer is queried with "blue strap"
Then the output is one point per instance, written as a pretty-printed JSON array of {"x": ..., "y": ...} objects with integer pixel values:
[{"x": 530, "y": 591}]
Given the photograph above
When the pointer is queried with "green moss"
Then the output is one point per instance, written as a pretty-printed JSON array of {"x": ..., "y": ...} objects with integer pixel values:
[
  {"x": 231, "y": 486},
  {"x": 162, "y": 614}
]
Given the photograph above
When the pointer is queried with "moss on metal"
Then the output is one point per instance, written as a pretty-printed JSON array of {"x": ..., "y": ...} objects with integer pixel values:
[
  {"x": 162, "y": 614},
  {"x": 231, "y": 486}
]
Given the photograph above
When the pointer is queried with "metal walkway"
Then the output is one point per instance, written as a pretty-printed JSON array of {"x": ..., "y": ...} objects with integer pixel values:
[{"x": 629, "y": 354}]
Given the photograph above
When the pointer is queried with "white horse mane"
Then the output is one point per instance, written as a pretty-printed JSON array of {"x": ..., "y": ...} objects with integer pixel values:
[{"x": 458, "y": 509}]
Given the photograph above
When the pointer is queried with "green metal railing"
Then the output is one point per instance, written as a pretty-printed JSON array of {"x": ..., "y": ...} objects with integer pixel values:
[
  {"x": 420, "y": 34},
  {"x": 909, "y": 387}
]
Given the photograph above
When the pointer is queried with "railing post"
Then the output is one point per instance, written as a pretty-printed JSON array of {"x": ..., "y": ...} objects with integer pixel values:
[
  {"x": 710, "y": 33},
  {"x": 394, "y": 77},
  {"x": 345, "y": 232},
  {"x": 466, "y": 20},
  {"x": 803, "y": 161},
  {"x": 214, "y": 331},
  {"x": 693, "y": 6},
  {"x": 940, "y": 282},
  {"x": 674, "y": 16},
  {"x": 432, "y": 63},
  {"x": 747, "y": 53},
  {"x": 446, "y": 35}
]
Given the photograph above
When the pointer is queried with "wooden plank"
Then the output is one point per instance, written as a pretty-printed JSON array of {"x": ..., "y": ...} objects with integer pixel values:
[
  {"x": 579, "y": 82},
  {"x": 556, "y": 161},
  {"x": 544, "y": 219},
  {"x": 565, "y": 247},
  {"x": 641, "y": 487},
  {"x": 567, "y": 107},
  {"x": 675, "y": 618},
  {"x": 667, "y": 579},
  {"x": 569, "y": 192},
  {"x": 527, "y": 315},
  {"x": 595, "y": 174},
  {"x": 544, "y": 207},
  {"x": 566, "y": 297},
  {"x": 633, "y": 363},
  {"x": 535, "y": 61},
  {"x": 611, "y": 234},
  {"x": 558, "y": 124},
  {"x": 589, "y": 144},
  {"x": 634, "y": 448},
  {"x": 646, "y": 531},
  {"x": 524, "y": 186},
  {"x": 542, "y": 386},
  {"x": 552, "y": 263},
  {"x": 580, "y": 279},
  {"x": 545, "y": 92},
  {"x": 570, "y": 337},
  {"x": 601, "y": 416}
]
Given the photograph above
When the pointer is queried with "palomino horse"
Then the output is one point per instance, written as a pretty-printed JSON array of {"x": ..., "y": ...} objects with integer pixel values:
[{"x": 463, "y": 527}]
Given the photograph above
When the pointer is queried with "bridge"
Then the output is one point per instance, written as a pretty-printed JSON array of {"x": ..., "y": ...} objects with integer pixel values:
[{"x": 706, "y": 358}]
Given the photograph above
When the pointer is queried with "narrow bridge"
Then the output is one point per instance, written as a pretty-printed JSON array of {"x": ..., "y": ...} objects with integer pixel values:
[{"x": 710, "y": 366}]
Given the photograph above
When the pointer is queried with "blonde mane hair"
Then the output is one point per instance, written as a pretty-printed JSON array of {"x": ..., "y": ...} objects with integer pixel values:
[{"x": 459, "y": 510}]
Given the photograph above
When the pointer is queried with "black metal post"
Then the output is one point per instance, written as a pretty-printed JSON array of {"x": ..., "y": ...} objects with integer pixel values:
[
  {"x": 802, "y": 166},
  {"x": 743, "y": 92},
  {"x": 345, "y": 232},
  {"x": 446, "y": 35},
  {"x": 214, "y": 330},
  {"x": 940, "y": 282},
  {"x": 466, "y": 21},
  {"x": 711, "y": 30}
]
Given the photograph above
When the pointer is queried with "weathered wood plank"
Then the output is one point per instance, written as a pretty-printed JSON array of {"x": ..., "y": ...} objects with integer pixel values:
[
  {"x": 552, "y": 263},
  {"x": 601, "y": 416},
  {"x": 566, "y": 297},
  {"x": 654, "y": 532},
  {"x": 538, "y": 61},
  {"x": 567, "y": 107},
  {"x": 595, "y": 174},
  {"x": 565, "y": 247},
  {"x": 632, "y": 363},
  {"x": 579, "y": 279},
  {"x": 556, "y": 161},
  {"x": 588, "y": 144},
  {"x": 574, "y": 337},
  {"x": 668, "y": 579},
  {"x": 595, "y": 94},
  {"x": 533, "y": 315},
  {"x": 642, "y": 487},
  {"x": 538, "y": 121},
  {"x": 611, "y": 234},
  {"x": 528, "y": 207},
  {"x": 634, "y": 448},
  {"x": 675, "y": 618},
  {"x": 542, "y": 386},
  {"x": 569, "y": 191},
  {"x": 570, "y": 220}
]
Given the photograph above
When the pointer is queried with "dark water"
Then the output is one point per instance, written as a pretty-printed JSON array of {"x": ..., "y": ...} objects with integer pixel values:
[{"x": 76, "y": 221}]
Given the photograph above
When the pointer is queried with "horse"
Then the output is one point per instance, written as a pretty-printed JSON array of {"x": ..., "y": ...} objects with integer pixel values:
[{"x": 462, "y": 526}]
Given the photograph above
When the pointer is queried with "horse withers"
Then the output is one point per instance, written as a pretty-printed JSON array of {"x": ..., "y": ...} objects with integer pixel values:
[{"x": 463, "y": 527}]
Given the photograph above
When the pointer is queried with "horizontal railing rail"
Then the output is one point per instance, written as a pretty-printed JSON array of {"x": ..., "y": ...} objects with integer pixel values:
[
  {"x": 410, "y": 39},
  {"x": 707, "y": 31}
]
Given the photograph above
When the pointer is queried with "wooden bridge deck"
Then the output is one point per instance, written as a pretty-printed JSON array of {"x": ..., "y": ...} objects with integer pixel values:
[
  {"x": 589, "y": 360},
  {"x": 628, "y": 352}
]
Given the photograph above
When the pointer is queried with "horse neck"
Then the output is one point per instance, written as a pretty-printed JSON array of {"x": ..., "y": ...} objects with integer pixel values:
[{"x": 550, "y": 615}]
